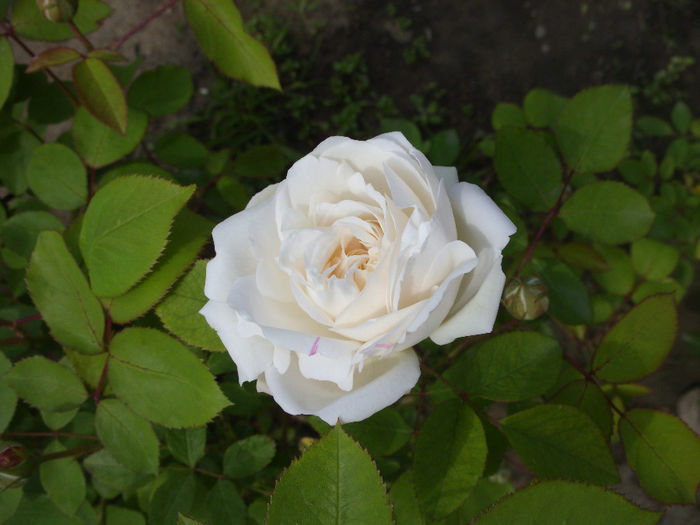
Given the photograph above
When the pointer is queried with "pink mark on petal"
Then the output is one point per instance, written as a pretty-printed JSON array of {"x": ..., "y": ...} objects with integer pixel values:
[
  {"x": 314, "y": 347},
  {"x": 385, "y": 345}
]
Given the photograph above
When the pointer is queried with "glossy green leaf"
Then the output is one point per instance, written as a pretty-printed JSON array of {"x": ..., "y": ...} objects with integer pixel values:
[
  {"x": 449, "y": 458},
  {"x": 106, "y": 470},
  {"x": 117, "y": 515},
  {"x": 181, "y": 150},
  {"x": 404, "y": 501},
  {"x": 594, "y": 127},
  {"x": 583, "y": 256},
  {"x": 561, "y": 441},
  {"x": 88, "y": 366},
  {"x": 335, "y": 481},
  {"x": 557, "y": 502},
  {"x": 444, "y": 148},
  {"x": 187, "y": 444},
  {"x": 8, "y": 404},
  {"x": 99, "y": 144},
  {"x": 248, "y": 456},
  {"x": 100, "y": 92},
  {"x": 46, "y": 384},
  {"x": 507, "y": 114},
  {"x": 28, "y": 21},
  {"x": 638, "y": 344},
  {"x": 38, "y": 509},
  {"x": 608, "y": 212},
  {"x": 54, "y": 56},
  {"x": 654, "y": 127},
  {"x": 224, "y": 506},
  {"x": 129, "y": 438},
  {"x": 528, "y": 168},
  {"x": 134, "y": 167},
  {"x": 588, "y": 397},
  {"x": 174, "y": 496},
  {"x": 542, "y": 107},
  {"x": 664, "y": 453},
  {"x": 568, "y": 298},
  {"x": 654, "y": 260},
  {"x": 161, "y": 380},
  {"x": 382, "y": 433},
  {"x": 221, "y": 35},
  {"x": 21, "y": 231},
  {"x": 619, "y": 279},
  {"x": 189, "y": 233},
  {"x": 57, "y": 176},
  {"x": 681, "y": 116},
  {"x": 62, "y": 295},
  {"x": 63, "y": 480},
  {"x": 179, "y": 311},
  {"x": 161, "y": 91},
  {"x": 508, "y": 367},
  {"x": 125, "y": 229},
  {"x": 7, "y": 68}
]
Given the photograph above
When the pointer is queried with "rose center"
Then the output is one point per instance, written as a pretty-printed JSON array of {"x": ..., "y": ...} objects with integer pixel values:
[{"x": 353, "y": 258}]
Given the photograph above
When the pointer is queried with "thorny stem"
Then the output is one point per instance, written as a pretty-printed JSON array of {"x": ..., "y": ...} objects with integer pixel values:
[
  {"x": 116, "y": 45},
  {"x": 550, "y": 215},
  {"x": 77, "y": 451}
]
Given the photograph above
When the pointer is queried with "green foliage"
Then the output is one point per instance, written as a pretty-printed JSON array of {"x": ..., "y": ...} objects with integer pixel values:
[
  {"x": 57, "y": 176},
  {"x": 248, "y": 456},
  {"x": 100, "y": 93},
  {"x": 7, "y": 67},
  {"x": 161, "y": 91},
  {"x": 63, "y": 480}
]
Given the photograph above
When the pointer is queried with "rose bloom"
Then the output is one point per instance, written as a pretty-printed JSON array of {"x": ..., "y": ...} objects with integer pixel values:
[{"x": 321, "y": 286}]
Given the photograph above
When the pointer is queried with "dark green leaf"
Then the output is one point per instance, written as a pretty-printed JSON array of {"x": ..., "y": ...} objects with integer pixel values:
[
  {"x": 542, "y": 107},
  {"x": 188, "y": 444},
  {"x": 223, "y": 38},
  {"x": 594, "y": 127},
  {"x": 125, "y": 230},
  {"x": 557, "y": 502},
  {"x": 444, "y": 148},
  {"x": 261, "y": 162},
  {"x": 583, "y": 256},
  {"x": 664, "y": 453},
  {"x": 594, "y": 208},
  {"x": 233, "y": 192},
  {"x": 335, "y": 481},
  {"x": 639, "y": 343},
  {"x": 681, "y": 116},
  {"x": 116, "y": 515},
  {"x": 46, "y": 384},
  {"x": 404, "y": 501},
  {"x": 56, "y": 420},
  {"x": 248, "y": 456},
  {"x": 224, "y": 506},
  {"x": 63, "y": 480},
  {"x": 381, "y": 434},
  {"x": 15, "y": 149},
  {"x": 57, "y": 176},
  {"x": 449, "y": 458},
  {"x": 486, "y": 493},
  {"x": 588, "y": 397},
  {"x": 161, "y": 91},
  {"x": 528, "y": 168},
  {"x": 129, "y": 438},
  {"x": 61, "y": 293},
  {"x": 568, "y": 297},
  {"x": 507, "y": 114},
  {"x": 161, "y": 380},
  {"x": 28, "y": 21},
  {"x": 175, "y": 496},
  {"x": 619, "y": 279},
  {"x": 100, "y": 145},
  {"x": 654, "y": 260},
  {"x": 21, "y": 231},
  {"x": 109, "y": 472},
  {"x": 7, "y": 68},
  {"x": 100, "y": 92},
  {"x": 560, "y": 441},
  {"x": 38, "y": 509},
  {"x": 8, "y": 404},
  {"x": 181, "y": 150},
  {"x": 9, "y": 501},
  {"x": 654, "y": 127}
]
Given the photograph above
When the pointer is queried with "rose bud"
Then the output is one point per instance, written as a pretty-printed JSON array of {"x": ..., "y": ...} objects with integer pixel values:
[{"x": 526, "y": 298}]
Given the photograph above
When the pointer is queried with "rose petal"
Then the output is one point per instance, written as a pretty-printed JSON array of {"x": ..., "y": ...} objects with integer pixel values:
[
  {"x": 338, "y": 369},
  {"x": 447, "y": 173},
  {"x": 381, "y": 383}
]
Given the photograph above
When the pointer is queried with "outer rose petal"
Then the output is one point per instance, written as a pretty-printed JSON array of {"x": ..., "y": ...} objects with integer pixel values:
[{"x": 381, "y": 383}]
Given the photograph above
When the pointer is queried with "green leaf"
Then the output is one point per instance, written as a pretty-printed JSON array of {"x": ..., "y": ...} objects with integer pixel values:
[
  {"x": 619, "y": 279},
  {"x": 99, "y": 144},
  {"x": 406, "y": 127},
  {"x": 38, "y": 509},
  {"x": 8, "y": 404},
  {"x": 507, "y": 114},
  {"x": 116, "y": 515},
  {"x": 57, "y": 176},
  {"x": 654, "y": 127},
  {"x": 63, "y": 480},
  {"x": 221, "y": 35},
  {"x": 100, "y": 92},
  {"x": 125, "y": 229},
  {"x": 224, "y": 505},
  {"x": 568, "y": 298},
  {"x": 129, "y": 438},
  {"x": 108, "y": 471},
  {"x": 594, "y": 208},
  {"x": 508, "y": 367},
  {"x": 594, "y": 127},
  {"x": 46, "y": 384},
  {"x": 184, "y": 520},
  {"x": 557, "y": 502},
  {"x": 681, "y": 116},
  {"x": 484, "y": 495},
  {"x": 175, "y": 496},
  {"x": 61, "y": 294},
  {"x": 639, "y": 343},
  {"x": 188, "y": 444},
  {"x": 56, "y": 420},
  {"x": 9, "y": 501},
  {"x": 161, "y": 380},
  {"x": 560, "y": 441},
  {"x": 7, "y": 68},
  {"x": 654, "y": 260},
  {"x": 588, "y": 397},
  {"x": 88, "y": 366},
  {"x": 528, "y": 168},
  {"x": 582, "y": 255},
  {"x": 54, "y": 56},
  {"x": 15, "y": 149},
  {"x": 267, "y": 161},
  {"x": 21, "y": 231},
  {"x": 381, "y": 434},
  {"x": 444, "y": 148},
  {"x": 335, "y": 481},
  {"x": 248, "y": 456},
  {"x": 181, "y": 150},
  {"x": 161, "y": 91},
  {"x": 189, "y": 233},
  {"x": 28, "y": 21},
  {"x": 404, "y": 501},
  {"x": 233, "y": 192},
  {"x": 179, "y": 311},
  {"x": 542, "y": 107},
  {"x": 664, "y": 453},
  {"x": 134, "y": 167},
  {"x": 449, "y": 458}
]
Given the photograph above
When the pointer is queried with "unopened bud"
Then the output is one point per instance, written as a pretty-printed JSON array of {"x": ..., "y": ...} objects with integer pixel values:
[
  {"x": 57, "y": 10},
  {"x": 15, "y": 465},
  {"x": 526, "y": 298}
]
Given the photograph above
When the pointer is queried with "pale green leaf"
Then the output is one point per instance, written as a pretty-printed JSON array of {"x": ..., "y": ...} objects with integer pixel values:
[
  {"x": 57, "y": 176},
  {"x": 100, "y": 92}
]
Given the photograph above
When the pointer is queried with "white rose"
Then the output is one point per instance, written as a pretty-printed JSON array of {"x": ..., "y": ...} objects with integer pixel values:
[{"x": 320, "y": 287}]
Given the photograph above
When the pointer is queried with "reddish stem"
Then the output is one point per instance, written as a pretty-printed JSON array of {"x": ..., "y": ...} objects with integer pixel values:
[
  {"x": 116, "y": 45},
  {"x": 80, "y": 36},
  {"x": 100, "y": 385},
  {"x": 18, "y": 322},
  {"x": 462, "y": 395}
]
